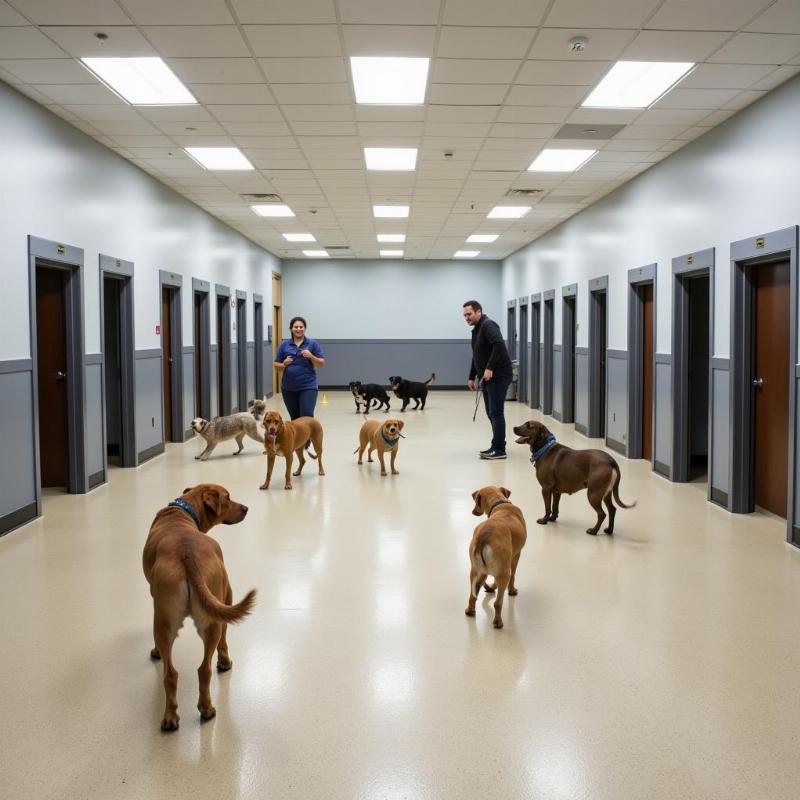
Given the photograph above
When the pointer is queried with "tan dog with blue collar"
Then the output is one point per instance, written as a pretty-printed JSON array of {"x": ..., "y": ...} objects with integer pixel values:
[{"x": 380, "y": 436}]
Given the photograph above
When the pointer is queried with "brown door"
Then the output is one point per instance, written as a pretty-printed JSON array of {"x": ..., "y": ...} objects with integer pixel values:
[
  {"x": 51, "y": 357},
  {"x": 166, "y": 360},
  {"x": 198, "y": 357},
  {"x": 771, "y": 392},
  {"x": 647, "y": 371}
]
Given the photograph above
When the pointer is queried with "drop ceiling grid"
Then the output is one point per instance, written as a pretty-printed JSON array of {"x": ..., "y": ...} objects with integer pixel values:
[{"x": 273, "y": 79}]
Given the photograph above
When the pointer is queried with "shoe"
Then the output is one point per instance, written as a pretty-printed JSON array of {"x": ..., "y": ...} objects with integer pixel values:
[
  {"x": 493, "y": 455},
  {"x": 482, "y": 453}
]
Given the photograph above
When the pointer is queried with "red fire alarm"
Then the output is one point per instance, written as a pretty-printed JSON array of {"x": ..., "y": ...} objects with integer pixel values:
[{"x": 158, "y": 330}]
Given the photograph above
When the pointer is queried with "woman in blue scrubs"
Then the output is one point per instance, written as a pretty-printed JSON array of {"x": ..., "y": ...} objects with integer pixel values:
[{"x": 298, "y": 358}]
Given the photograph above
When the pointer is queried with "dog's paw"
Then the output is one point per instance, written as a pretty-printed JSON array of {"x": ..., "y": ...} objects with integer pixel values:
[
  {"x": 470, "y": 612},
  {"x": 513, "y": 592},
  {"x": 488, "y": 588},
  {"x": 295, "y": 474},
  {"x": 155, "y": 655},
  {"x": 197, "y": 458},
  {"x": 169, "y": 724},
  {"x": 237, "y": 452},
  {"x": 609, "y": 531},
  {"x": 543, "y": 520},
  {"x": 591, "y": 531},
  {"x": 498, "y": 623},
  {"x": 395, "y": 472},
  {"x": 288, "y": 487},
  {"x": 264, "y": 486},
  {"x": 224, "y": 664},
  {"x": 207, "y": 712},
  {"x": 383, "y": 474},
  {"x": 553, "y": 517}
]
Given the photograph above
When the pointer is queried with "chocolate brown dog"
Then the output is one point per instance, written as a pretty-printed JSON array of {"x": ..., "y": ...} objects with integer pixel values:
[
  {"x": 562, "y": 470},
  {"x": 284, "y": 438},
  {"x": 380, "y": 436},
  {"x": 187, "y": 577},
  {"x": 495, "y": 547}
]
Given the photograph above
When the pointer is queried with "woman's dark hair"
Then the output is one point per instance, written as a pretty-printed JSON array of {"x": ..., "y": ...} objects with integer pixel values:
[{"x": 296, "y": 319}]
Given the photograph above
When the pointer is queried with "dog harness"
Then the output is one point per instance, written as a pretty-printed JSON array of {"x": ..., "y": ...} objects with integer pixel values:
[
  {"x": 537, "y": 454},
  {"x": 494, "y": 505},
  {"x": 390, "y": 442},
  {"x": 184, "y": 506}
]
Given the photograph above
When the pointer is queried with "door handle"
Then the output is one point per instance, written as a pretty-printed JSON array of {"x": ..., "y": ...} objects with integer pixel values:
[
  {"x": 60, "y": 375},
  {"x": 758, "y": 383}
]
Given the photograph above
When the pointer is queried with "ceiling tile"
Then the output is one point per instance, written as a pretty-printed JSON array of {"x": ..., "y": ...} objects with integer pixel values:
[
  {"x": 309, "y": 93},
  {"x": 67, "y": 94},
  {"x": 103, "y": 112},
  {"x": 696, "y": 98},
  {"x": 744, "y": 99},
  {"x": 442, "y": 113},
  {"x": 288, "y": 41},
  {"x": 133, "y": 127},
  {"x": 326, "y": 128},
  {"x": 257, "y": 128},
  {"x": 233, "y": 93},
  {"x": 469, "y": 70},
  {"x": 604, "y": 44},
  {"x": 205, "y": 41},
  {"x": 198, "y": 12},
  {"x": 562, "y": 73},
  {"x": 280, "y": 12},
  {"x": 523, "y": 131},
  {"x": 81, "y": 42},
  {"x": 502, "y": 43},
  {"x": 390, "y": 113},
  {"x": 600, "y": 13},
  {"x": 709, "y": 15},
  {"x": 466, "y": 94},
  {"x": 246, "y": 113},
  {"x": 76, "y": 12},
  {"x": 477, "y": 129},
  {"x": 673, "y": 45},
  {"x": 479, "y": 12},
  {"x": 533, "y": 114},
  {"x": 216, "y": 70},
  {"x": 48, "y": 70},
  {"x": 304, "y": 70},
  {"x": 546, "y": 95},
  {"x": 759, "y": 48},
  {"x": 650, "y": 132},
  {"x": 394, "y": 40},
  {"x": 667, "y": 116},
  {"x": 724, "y": 76},
  {"x": 776, "y": 78},
  {"x": 389, "y": 12},
  {"x": 196, "y": 128},
  {"x": 10, "y": 17},
  {"x": 781, "y": 17},
  {"x": 27, "y": 43},
  {"x": 320, "y": 113}
]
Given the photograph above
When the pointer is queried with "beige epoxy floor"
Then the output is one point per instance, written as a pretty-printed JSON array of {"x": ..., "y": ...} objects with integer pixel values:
[{"x": 662, "y": 662}]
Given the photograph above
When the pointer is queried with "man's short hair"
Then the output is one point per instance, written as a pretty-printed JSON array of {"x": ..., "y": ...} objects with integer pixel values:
[{"x": 474, "y": 304}]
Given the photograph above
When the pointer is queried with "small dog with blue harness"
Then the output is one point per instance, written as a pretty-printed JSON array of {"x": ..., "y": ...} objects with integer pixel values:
[
  {"x": 381, "y": 437},
  {"x": 562, "y": 470}
]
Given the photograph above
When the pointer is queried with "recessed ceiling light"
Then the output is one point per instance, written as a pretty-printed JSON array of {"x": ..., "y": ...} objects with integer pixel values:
[
  {"x": 219, "y": 158},
  {"x": 389, "y": 81},
  {"x": 299, "y": 237},
  {"x": 390, "y": 211},
  {"x": 391, "y": 237},
  {"x": 466, "y": 253},
  {"x": 552, "y": 159},
  {"x": 316, "y": 253},
  {"x": 391, "y": 158},
  {"x": 140, "y": 81},
  {"x": 636, "y": 84},
  {"x": 482, "y": 237},
  {"x": 389, "y": 253},
  {"x": 508, "y": 212},
  {"x": 273, "y": 210}
]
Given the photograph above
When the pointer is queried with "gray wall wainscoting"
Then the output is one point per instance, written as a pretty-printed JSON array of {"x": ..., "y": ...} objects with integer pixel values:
[
  {"x": 251, "y": 374},
  {"x": 662, "y": 413},
  {"x": 617, "y": 401},
  {"x": 235, "y": 378},
  {"x": 188, "y": 392},
  {"x": 582, "y": 389},
  {"x": 373, "y": 361},
  {"x": 94, "y": 380},
  {"x": 213, "y": 382},
  {"x": 719, "y": 463},
  {"x": 558, "y": 393},
  {"x": 149, "y": 405}
]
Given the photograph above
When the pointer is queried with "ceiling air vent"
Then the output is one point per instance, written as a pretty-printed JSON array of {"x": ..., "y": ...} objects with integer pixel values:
[
  {"x": 524, "y": 192},
  {"x": 262, "y": 197},
  {"x": 336, "y": 248},
  {"x": 588, "y": 132}
]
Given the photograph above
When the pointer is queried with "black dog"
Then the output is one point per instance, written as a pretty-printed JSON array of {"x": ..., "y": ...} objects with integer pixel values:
[
  {"x": 367, "y": 392},
  {"x": 411, "y": 390}
]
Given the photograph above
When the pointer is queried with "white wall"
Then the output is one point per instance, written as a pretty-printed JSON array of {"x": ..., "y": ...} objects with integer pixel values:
[
  {"x": 57, "y": 183},
  {"x": 739, "y": 180},
  {"x": 349, "y": 299}
]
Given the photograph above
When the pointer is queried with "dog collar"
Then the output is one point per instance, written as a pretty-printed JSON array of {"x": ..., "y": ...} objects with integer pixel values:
[
  {"x": 390, "y": 442},
  {"x": 537, "y": 454},
  {"x": 494, "y": 505},
  {"x": 184, "y": 506}
]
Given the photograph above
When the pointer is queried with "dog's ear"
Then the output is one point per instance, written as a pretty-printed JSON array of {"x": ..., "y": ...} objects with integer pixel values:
[
  {"x": 400, "y": 424},
  {"x": 187, "y": 489},
  {"x": 212, "y": 502},
  {"x": 505, "y": 492},
  {"x": 478, "y": 510}
]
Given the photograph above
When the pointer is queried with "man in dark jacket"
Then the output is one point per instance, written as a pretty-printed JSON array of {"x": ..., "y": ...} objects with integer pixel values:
[{"x": 491, "y": 362}]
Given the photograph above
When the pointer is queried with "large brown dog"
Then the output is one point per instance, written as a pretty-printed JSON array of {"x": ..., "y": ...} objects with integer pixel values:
[
  {"x": 380, "y": 436},
  {"x": 187, "y": 577},
  {"x": 284, "y": 438},
  {"x": 495, "y": 547},
  {"x": 562, "y": 470}
]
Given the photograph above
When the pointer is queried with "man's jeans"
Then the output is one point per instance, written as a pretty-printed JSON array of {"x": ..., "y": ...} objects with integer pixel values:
[{"x": 494, "y": 395}]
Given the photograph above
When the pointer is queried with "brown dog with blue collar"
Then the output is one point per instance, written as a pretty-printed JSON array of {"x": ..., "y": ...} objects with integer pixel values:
[
  {"x": 380, "y": 437},
  {"x": 495, "y": 547}
]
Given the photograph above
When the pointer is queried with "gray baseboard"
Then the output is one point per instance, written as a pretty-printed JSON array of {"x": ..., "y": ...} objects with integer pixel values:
[
  {"x": 150, "y": 452},
  {"x": 97, "y": 478},
  {"x": 581, "y": 428},
  {"x": 556, "y": 415},
  {"x": 719, "y": 497},
  {"x": 21, "y": 516},
  {"x": 616, "y": 446},
  {"x": 188, "y": 434},
  {"x": 661, "y": 468}
]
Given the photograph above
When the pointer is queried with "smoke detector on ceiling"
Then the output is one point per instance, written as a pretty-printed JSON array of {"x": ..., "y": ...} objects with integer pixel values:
[{"x": 578, "y": 44}]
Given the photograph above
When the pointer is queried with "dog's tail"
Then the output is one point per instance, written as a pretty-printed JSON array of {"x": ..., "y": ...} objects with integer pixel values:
[
  {"x": 615, "y": 488},
  {"x": 308, "y": 450},
  {"x": 431, "y": 379},
  {"x": 210, "y": 604}
]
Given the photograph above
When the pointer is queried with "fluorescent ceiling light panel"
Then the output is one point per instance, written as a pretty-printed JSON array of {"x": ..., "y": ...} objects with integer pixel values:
[
  {"x": 391, "y": 158},
  {"x": 219, "y": 158},
  {"x": 140, "y": 81},
  {"x": 389, "y": 81},
  {"x": 636, "y": 84},
  {"x": 552, "y": 159},
  {"x": 316, "y": 253},
  {"x": 466, "y": 253},
  {"x": 482, "y": 237},
  {"x": 390, "y": 211},
  {"x": 391, "y": 237},
  {"x": 389, "y": 253},
  {"x": 273, "y": 210},
  {"x": 299, "y": 237},
  {"x": 508, "y": 212}
]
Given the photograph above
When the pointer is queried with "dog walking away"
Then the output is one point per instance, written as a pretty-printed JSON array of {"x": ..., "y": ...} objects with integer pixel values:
[
  {"x": 284, "y": 438},
  {"x": 187, "y": 578},
  {"x": 220, "y": 429},
  {"x": 383, "y": 437},
  {"x": 411, "y": 390},
  {"x": 495, "y": 547},
  {"x": 257, "y": 407},
  {"x": 366, "y": 393},
  {"x": 562, "y": 470}
]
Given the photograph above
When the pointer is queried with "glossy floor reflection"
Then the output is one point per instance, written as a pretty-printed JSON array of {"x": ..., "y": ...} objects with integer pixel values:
[{"x": 661, "y": 662}]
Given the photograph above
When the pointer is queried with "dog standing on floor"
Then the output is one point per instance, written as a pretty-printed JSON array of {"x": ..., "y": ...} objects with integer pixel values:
[
  {"x": 495, "y": 547},
  {"x": 411, "y": 390},
  {"x": 257, "y": 407},
  {"x": 367, "y": 392},
  {"x": 380, "y": 436},
  {"x": 562, "y": 470},
  {"x": 284, "y": 438},
  {"x": 187, "y": 577},
  {"x": 220, "y": 429}
]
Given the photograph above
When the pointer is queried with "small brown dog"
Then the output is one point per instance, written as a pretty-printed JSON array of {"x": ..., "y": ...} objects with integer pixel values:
[
  {"x": 380, "y": 436},
  {"x": 562, "y": 470},
  {"x": 495, "y": 547},
  {"x": 284, "y": 438},
  {"x": 187, "y": 577}
]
